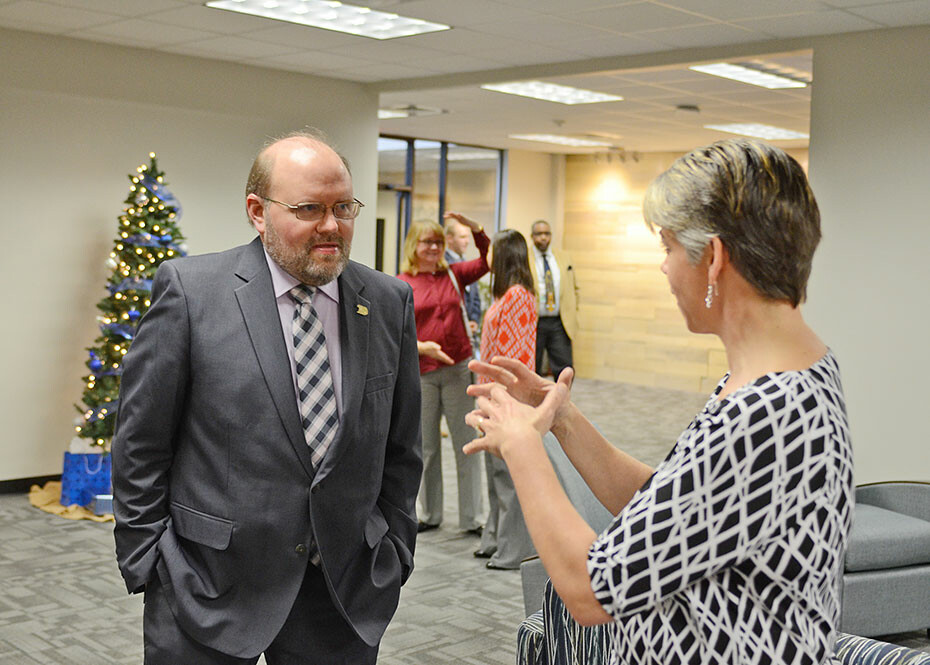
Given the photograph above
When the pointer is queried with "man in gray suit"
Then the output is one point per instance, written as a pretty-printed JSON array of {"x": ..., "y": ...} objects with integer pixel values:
[{"x": 267, "y": 452}]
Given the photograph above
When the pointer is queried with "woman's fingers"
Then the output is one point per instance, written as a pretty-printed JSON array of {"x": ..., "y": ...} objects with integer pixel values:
[
  {"x": 493, "y": 372},
  {"x": 515, "y": 367}
]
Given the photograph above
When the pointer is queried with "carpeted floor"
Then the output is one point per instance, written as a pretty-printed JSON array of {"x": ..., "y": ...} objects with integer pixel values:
[{"x": 62, "y": 601}]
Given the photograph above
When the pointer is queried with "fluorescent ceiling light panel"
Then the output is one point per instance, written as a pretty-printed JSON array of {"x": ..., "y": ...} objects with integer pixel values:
[
  {"x": 551, "y": 92},
  {"x": 749, "y": 75},
  {"x": 332, "y": 15},
  {"x": 560, "y": 140},
  {"x": 387, "y": 114},
  {"x": 759, "y": 131}
]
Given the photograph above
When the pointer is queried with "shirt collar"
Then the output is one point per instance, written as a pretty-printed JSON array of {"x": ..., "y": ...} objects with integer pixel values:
[{"x": 283, "y": 281}]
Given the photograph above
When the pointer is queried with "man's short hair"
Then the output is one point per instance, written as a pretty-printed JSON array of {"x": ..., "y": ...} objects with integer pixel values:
[
  {"x": 259, "y": 182},
  {"x": 756, "y": 199},
  {"x": 539, "y": 221}
]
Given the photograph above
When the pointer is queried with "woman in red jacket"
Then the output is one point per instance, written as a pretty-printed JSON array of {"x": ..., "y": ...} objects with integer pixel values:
[
  {"x": 445, "y": 349},
  {"x": 509, "y": 331}
]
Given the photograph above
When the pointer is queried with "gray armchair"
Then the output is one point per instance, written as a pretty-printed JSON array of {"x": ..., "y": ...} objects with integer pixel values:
[{"x": 886, "y": 585}]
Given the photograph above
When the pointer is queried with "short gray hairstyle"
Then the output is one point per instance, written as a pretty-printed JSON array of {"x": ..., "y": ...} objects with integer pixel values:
[{"x": 756, "y": 199}]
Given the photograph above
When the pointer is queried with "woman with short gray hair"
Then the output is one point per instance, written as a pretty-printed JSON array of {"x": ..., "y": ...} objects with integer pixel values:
[{"x": 732, "y": 549}]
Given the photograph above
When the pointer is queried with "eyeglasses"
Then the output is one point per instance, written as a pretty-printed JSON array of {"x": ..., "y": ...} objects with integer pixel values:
[
  {"x": 314, "y": 212},
  {"x": 430, "y": 243},
  {"x": 542, "y": 233}
]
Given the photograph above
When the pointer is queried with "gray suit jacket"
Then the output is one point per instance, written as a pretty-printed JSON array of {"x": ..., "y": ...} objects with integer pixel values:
[{"x": 213, "y": 487}]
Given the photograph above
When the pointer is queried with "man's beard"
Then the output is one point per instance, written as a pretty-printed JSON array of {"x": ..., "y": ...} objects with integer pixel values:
[{"x": 300, "y": 264}]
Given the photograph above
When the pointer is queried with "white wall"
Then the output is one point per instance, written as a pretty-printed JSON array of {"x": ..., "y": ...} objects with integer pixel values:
[
  {"x": 870, "y": 170},
  {"x": 75, "y": 119},
  {"x": 535, "y": 189}
]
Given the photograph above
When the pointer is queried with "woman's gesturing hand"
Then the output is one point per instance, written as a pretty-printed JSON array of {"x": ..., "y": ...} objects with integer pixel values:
[
  {"x": 505, "y": 416},
  {"x": 524, "y": 385},
  {"x": 433, "y": 350}
]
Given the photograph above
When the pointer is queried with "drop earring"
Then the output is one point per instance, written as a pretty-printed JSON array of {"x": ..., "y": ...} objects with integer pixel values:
[{"x": 709, "y": 298}]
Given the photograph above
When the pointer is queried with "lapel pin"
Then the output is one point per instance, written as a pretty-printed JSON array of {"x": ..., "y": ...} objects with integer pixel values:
[{"x": 361, "y": 310}]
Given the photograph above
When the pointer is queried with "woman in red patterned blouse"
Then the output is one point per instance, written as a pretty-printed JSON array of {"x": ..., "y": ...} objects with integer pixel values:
[
  {"x": 445, "y": 349},
  {"x": 509, "y": 330}
]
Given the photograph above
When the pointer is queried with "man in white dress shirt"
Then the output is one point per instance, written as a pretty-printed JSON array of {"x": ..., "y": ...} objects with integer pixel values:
[{"x": 556, "y": 295}]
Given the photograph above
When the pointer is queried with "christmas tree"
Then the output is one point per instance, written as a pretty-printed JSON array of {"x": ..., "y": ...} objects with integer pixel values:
[{"x": 148, "y": 235}]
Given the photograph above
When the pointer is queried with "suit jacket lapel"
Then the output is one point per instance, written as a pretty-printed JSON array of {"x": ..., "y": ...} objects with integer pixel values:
[
  {"x": 354, "y": 327},
  {"x": 260, "y": 313}
]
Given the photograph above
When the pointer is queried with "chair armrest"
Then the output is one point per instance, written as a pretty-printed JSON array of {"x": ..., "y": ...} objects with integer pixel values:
[
  {"x": 533, "y": 578},
  {"x": 907, "y": 498}
]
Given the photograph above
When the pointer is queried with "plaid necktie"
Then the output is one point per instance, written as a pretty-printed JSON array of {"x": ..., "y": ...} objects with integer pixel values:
[
  {"x": 550, "y": 286},
  {"x": 315, "y": 392}
]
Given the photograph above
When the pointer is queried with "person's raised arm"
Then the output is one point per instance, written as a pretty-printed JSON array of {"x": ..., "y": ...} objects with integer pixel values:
[
  {"x": 470, "y": 271},
  {"x": 613, "y": 475}
]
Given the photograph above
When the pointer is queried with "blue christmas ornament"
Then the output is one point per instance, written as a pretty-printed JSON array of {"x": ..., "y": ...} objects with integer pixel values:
[
  {"x": 165, "y": 239},
  {"x": 95, "y": 364},
  {"x": 134, "y": 314}
]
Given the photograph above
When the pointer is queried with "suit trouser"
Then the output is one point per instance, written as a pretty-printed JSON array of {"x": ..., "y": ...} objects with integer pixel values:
[
  {"x": 313, "y": 634},
  {"x": 443, "y": 393},
  {"x": 552, "y": 338},
  {"x": 505, "y": 533}
]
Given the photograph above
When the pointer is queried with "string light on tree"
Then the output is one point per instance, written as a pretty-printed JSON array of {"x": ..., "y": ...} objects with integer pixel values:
[{"x": 147, "y": 235}]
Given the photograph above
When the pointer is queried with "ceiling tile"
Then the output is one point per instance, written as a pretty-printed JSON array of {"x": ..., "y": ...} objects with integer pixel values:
[
  {"x": 810, "y": 24},
  {"x": 31, "y": 15},
  {"x": 232, "y": 48},
  {"x": 861, "y": 3},
  {"x": 393, "y": 51},
  {"x": 634, "y": 17},
  {"x": 315, "y": 61},
  {"x": 214, "y": 20},
  {"x": 898, "y": 14},
  {"x": 728, "y": 10},
  {"x": 463, "y": 13},
  {"x": 381, "y": 71},
  {"x": 448, "y": 64},
  {"x": 548, "y": 29},
  {"x": 134, "y": 8},
  {"x": 558, "y": 6},
  {"x": 702, "y": 35},
  {"x": 301, "y": 36},
  {"x": 136, "y": 32}
]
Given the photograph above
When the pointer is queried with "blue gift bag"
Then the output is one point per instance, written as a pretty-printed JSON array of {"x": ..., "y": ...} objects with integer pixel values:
[{"x": 84, "y": 476}]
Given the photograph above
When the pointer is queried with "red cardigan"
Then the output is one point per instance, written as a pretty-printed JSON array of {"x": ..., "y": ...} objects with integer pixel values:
[{"x": 437, "y": 306}]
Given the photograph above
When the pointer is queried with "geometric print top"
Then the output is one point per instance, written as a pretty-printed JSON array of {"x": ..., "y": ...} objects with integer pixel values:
[
  {"x": 732, "y": 551},
  {"x": 509, "y": 328}
]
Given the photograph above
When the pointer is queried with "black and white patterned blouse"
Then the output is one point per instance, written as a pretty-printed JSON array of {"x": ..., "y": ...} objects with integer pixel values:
[{"x": 732, "y": 552}]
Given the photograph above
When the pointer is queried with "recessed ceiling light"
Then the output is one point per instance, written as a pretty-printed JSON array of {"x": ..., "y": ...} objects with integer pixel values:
[
  {"x": 750, "y": 75},
  {"x": 759, "y": 131},
  {"x": 332, "y": 15},
  {"x": 551, "y": 92},
  {"x": 560, "y": 140}
]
